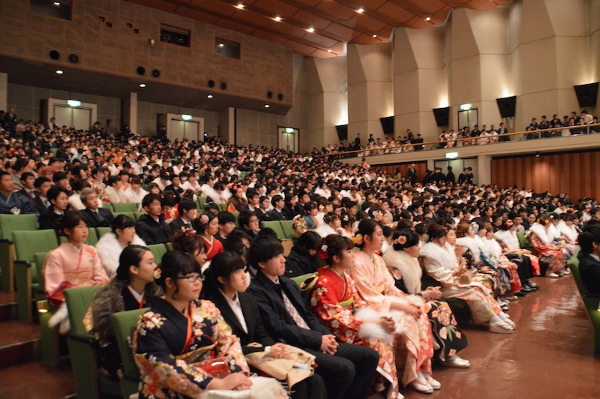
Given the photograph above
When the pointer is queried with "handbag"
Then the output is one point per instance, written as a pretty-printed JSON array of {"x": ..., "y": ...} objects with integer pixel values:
[{"x": 297, "y": 367}]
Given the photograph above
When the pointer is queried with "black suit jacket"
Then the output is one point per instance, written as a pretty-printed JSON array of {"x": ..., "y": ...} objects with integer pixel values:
[
  {"x": 151, "y": 231},
  {"x": 589, "y": 268},
  {"x": 178, "y": 223},
  {"x": 277, "y": 319},
  {"x": 39, "y": 204},
  {"x": 256, "y": 329},
  {"x": 49, "y": 220},
  {"x": 92, "y": 220},
  {"x": 276, "y": 215}
]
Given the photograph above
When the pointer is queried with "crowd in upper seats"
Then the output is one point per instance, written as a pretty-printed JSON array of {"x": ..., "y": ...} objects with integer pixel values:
[
  {"x": 363, "y": 300},
  {"x": 573, "y": 124}
]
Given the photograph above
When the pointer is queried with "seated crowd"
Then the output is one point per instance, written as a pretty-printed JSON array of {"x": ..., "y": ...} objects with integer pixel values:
[{"x": 382, "y": 253}]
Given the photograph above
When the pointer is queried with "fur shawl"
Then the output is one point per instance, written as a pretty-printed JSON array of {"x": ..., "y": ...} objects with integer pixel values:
[
  {"x": 473, "y": 245},
  {"x": 540, "y": 231},
  {"x": 439, "y": 261},
  {"x": 109, "y": 300},
  {"x": 570, "y": 232},
  {"x": 508, "y": 238},
  {"x": 109, "y": 249},
  {"x": 409, "y": 268}
]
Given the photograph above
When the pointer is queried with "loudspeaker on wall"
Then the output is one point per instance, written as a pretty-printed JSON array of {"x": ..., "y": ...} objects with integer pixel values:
[
  {"x": 507, "y": 106},
  {"x": 587, "y": 95},
  {"x": 442, "y": 116}
]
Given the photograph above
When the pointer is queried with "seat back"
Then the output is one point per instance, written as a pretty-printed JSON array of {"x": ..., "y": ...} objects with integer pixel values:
[
  {"x": 201, "y": 200},
  {"x": 100, "y": 231},
  {"x": 120, "y": 207},
  {"x": 236, "y": 215},
  {"x": 574, "y": 266},
  {"x": 129, "y": 214},
  {"x": 107, "y": 205},
  {"x": 288, "y": 229},
  {"x": 276, "y": 226},
  {"x": 158, "y": 250},
  {"x": 10, "y": 223},
  {"x": 523, "y": 241},
  {"x": 78, "y": 301},
  {"x": 27, "y": 243},
  {"x": 38, "y": 259},
  {"x": 124, "y": 323},
  {"x": 137, "y": 215}
]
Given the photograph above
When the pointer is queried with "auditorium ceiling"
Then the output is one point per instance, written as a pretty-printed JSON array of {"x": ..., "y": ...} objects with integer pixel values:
[{"x": 319, "y": 28}]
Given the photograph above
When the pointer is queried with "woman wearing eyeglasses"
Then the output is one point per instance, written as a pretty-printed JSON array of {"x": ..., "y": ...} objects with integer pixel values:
[{"x": 182, "y": 345}]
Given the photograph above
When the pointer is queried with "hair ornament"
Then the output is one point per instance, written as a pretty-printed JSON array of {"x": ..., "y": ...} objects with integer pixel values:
[
  {"x": 357, "y": 239},
  {"x": 157, "y": 273},
  {"x": 401, "y": 240}
]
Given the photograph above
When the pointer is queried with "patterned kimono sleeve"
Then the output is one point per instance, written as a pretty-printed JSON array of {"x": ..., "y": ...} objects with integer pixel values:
[
  {"x": 338, "y": 319},
  {"x": 436, "y": 270},
  {"x": 159, "y": 370},
  {"x": 54, "y": 275},
  {"x": 100, "y": 276},
  {"x": 227, "y": 343},
  {"x": 538, "y": 245}
]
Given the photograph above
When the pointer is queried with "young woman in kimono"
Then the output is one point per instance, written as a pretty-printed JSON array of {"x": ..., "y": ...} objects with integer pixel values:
[
  {"x": 545, "y": 248},
  {"x": 337, "y": 303},
  {"x": 441, "y": 263},
  {"x": 209, "y": 229},
  {"x": 376, "y": 287},
  {"x": 72, "y": 264},
  {"x": 402, "y": 261},
  {"x": 182, "y": 345}
]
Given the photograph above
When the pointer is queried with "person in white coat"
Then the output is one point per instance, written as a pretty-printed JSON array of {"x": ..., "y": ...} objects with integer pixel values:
[{"x": 110, "y": 246}]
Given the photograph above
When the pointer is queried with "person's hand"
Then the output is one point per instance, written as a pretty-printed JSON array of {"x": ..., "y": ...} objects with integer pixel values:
[
  {"x": 328, "y": 344},
  {"x": 432, "y": 293},
  {"x": 387, "y": 323},
  {"x": 236, "y": 381},
  {"x": 278, "y": 351},
  {"x": 413, "y": 310}
]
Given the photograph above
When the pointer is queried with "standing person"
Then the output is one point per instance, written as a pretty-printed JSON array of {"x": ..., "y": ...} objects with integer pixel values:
[
  {"x": 72, "y": 264},
  {"x": 228, "y": 278},
  {"x": 401, "y": 258},
  {"x": 412, "y": 174},
  {"x": 376, "y": 287},
  {"x": 450, "y": 178},
  {"x": 336, "y": 302},
  {"x": 346, "y": 369},
  {"x": 181, "y": 338}
]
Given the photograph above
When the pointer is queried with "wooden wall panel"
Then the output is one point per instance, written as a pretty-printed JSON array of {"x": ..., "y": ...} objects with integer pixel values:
[{"x": 575, "y": 173}]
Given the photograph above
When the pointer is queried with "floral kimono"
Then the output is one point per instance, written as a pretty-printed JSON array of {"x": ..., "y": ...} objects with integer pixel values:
[
  {"x": 376, "y": 287},
  {"x": 545, "y": 250},
  {"x": 171, "y": 349},
  {"x": 447, "y": 335},
  {"x": 213, "y": 247},
  {"x": 334, "y": 300}
]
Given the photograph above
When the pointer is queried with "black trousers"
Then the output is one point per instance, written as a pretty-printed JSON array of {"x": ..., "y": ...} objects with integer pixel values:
[
  {"x": 349, "y": 373},
  {"x": 310, "y": 388}
]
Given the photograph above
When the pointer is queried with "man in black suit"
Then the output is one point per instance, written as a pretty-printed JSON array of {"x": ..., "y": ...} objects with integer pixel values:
[
  {"x": 188, "y": 211},
  {"x": 263, "y": 211},
  {"x": 347, "y": 370},
  {"x": 28, "y": 182},
  {"x": 277, "y": 212},
  {"x": 151, "y": 227},
  {"x": 10, "y": 122},
  {"x": 59, "y": 201},
  {"x": 589, "y": 257},
  {"x": 93, "y": 214},
  {"x": 41, "y": 184},
  {"x": 502, "y": 131}
]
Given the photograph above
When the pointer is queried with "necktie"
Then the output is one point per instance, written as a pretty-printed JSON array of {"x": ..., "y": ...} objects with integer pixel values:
[{"x": 293, "y": 312}]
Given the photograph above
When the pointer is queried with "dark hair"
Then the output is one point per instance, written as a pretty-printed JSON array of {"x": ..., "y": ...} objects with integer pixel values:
[
  {"x": 223, "y": 265},
  {"x": 54, "y": 192},
  {"x": 310, "y": 205},
  {"x": 264, "y": 249},
  {"x": 226, "y": 217},
  {"x": 41, "y": 180},
  {"x": 267, "y": 232},
  {"x": 121, "y": 222},
  {"x": 186, "y": 205},
  {"x": 309, "y": 240},
  {"x": 435, "y": 231},
  {"x": 111, "y": 180},
  {"x": 131, "y": 256},
  {"x": 25, "y": 175},
  {"x": 276, "y": 199},
  {"x": 330, "y": 217},
  {"x": 187, "y": 241},
  {"x": 244, "y": 218},
  {"x": 336, "y": 245},
  {"x": 174, "y": 263},
  {"x": 367, "y": 227},
  {"x": 412, "y": 239},
  {"x": 235, "y": 243},
  {"x": 149, "y": 198},
  {"x": 589, "y": 236},
  {"x": 70, "y": 220}
]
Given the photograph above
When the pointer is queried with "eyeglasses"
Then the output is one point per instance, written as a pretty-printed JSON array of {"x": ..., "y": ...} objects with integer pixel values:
[{"x": 192, "y": 278}]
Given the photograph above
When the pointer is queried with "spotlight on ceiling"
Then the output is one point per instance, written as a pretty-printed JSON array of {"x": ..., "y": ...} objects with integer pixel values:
[
  {"x": 277, "y": 18},
  {"x": 360, "y": 10},
  {"x": 59, "y": 72},
  {"x": 428, "y": 19},
  {"x": 310, "y": 30},
  {"x": 240, "y": 6},
  {"x": 142, "y": 85}
]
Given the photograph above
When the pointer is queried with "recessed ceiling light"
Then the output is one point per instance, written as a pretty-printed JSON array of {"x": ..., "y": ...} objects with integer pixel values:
[
  {"x": 267, "y": 105},
  {"x": 428, "y": 19},
  {"x": 221, "y": 45},
  {"x": 210, "y": 96},
  {"x": 56, "y": 4},
  {"x": 360, "y": 10},
  {"x": 240, "y": 6},
  {"x": 142, "y": 85},
  {"x": 329, "y": 51},
  {"x": 278, "y": 18},
  {"x": 59, "y": 72},
  {"x": 311, "y": 29},
  {"x": 374, "y": 35}
]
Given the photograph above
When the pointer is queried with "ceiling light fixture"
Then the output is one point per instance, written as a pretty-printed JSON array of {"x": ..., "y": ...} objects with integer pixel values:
[
  {"x": 267, "y": 105},
  {"x": 360, "y": 10},
  {"x": 311, "y": 29},
  {"x": 210, "y": 96},
  {"x": 59, "y": 72},
  {"x": 56, "y": 4},
  {"x": 142, "y": 85},
  {"x": 374, "y": 35},
  {"x": 428, "y": 19},
  {"x": 277, "y": 18},
  {"x": 240, "y": 6},
  {"x": 329, "y": 51},
  {"x": 221, "y": 45}
]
